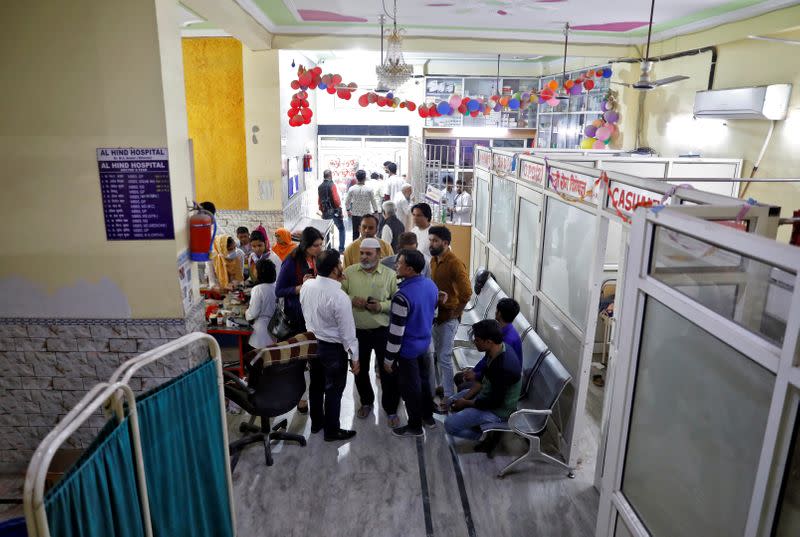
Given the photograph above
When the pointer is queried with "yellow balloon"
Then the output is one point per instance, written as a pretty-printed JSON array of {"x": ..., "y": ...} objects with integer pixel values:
[{"x": 587, "y": 143}]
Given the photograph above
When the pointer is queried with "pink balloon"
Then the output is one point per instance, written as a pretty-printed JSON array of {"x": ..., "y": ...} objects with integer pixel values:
[
  {"x": 553, "y": 102},
  {"x": 454, "y": 101},
  {"x": 603, "y": 133},
  {"x": 599, "y": 145}
]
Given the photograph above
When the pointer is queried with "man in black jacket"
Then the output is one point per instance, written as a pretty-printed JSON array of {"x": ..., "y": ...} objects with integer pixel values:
[
  {"x": 392, "y": 227},
  {"x": 330, "y": 205}
]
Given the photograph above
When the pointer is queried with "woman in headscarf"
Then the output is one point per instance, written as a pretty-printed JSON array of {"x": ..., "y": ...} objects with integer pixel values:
[
  {"x": 228, "y": 261},
  {"x": 283, "y": 243},
  {"x": 259, "y": 243}
]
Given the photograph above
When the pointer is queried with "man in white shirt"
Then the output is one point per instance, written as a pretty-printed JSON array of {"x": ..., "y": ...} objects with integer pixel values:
[
  {"x": 448, "y": 194},
  {"x": 393, "y": 183},
  {"x": 402, "y": 200},
  {"x": 359, "y": 202},
  {"x": 462, "y": 206},
  {"x": 329, "y": 315},
  {"x": 376, "y": 184},
  {"x": 422, "y": 215}
]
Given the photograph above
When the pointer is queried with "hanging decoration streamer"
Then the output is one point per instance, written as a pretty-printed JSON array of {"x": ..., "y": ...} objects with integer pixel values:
[{"x": 591, "y": 191}]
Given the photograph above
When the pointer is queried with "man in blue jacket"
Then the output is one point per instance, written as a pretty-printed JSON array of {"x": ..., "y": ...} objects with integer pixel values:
[{"x": 411, "y": 317}]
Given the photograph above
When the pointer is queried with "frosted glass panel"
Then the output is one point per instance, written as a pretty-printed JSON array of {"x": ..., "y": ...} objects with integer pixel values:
[
  {"x": 501, "y": 271},
  {"x": 527, "y": 238},
  {"x": 502, "y": 224},
  {"x": 481, "y": 203},
  {"x": 621, "y": 530},
  {"x": 525, "y": 300},
  {"x": 569, "y": 237},
  {"x": 789, "y": 510},
  {"x": 699, "y": 414},
  {"x": 735, "y": 286},
  {"x": 614, "y": 243},
  {"x": 478, "y": 253},
  {"x": 563, "y": 343}
]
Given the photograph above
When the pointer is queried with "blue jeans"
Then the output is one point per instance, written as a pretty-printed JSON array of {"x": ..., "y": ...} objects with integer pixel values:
[
  {"x": 465, "y": 423},
  {"x": 443, "y": 336}
]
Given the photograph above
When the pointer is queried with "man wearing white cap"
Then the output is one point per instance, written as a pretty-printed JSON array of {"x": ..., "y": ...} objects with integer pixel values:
[{"x": 370, "y": 286}]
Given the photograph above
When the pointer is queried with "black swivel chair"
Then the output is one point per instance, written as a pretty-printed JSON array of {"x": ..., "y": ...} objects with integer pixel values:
[{"x": 271, "y": 391}]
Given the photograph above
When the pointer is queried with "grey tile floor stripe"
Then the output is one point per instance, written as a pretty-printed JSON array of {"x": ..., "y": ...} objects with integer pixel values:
[
  {"x": 462, "y": 489},
  {"x": 426, "y": 495}
]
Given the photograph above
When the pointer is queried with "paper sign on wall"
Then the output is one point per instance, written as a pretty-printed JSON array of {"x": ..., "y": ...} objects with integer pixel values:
[
  {"x": 503, "y": 163},
  {"x": 484, "y": 158},
  {"x": 137, "y": 202},
  {"x": 575, "y": 185},
  {"x": 532, "y": 171}
]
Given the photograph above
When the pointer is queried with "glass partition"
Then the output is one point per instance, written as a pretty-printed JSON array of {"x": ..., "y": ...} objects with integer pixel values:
[
  {"x": 501, "y": 271},
  {"x": 737, "y": 287},
  {"x": 481, "y": 202},
  {"x": 693, "y": 445},
  {"x": 788, "y": 520},
  {"x": 501, "y": 234},
  {"x": 478, "y": 253},
  {"x": 525, "y": 299},
  {"x": 528, "y": 238},
  {"x": 568, "y": 244}
]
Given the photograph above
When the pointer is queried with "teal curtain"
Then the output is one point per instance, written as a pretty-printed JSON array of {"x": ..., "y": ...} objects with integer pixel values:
[
  {"x": 98, "y": 496},
  {"x": 185, "y": 456}
]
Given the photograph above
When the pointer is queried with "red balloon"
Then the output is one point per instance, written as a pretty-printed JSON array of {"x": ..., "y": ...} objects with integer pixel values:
[
  {"x": 296, "y": 121},
  {"x": 296, "y": 103},
  {"x": 295, "y": 84},
  {"x": 423, "y": 112},
  {"x": 347, "y": 95},
  {"x": 307, "y": 120},
  {"x": 337, "y": 79},
  {"x": 304, "y": 103},
  {"x": 589, "y": 84},
  {"x": 317, "y": 70},
  {"x": 306, "y": 112},
  {"x": 313, "y": 85},
  {"x": 462, "y": 109},
  {"x": 474, "y": 113},
  {"x": 465, "y": 101},
  {"x": 327, "y": 80},
  {"x": 371, "y": 97},
  {"x": 403, "y": 104},
  {"x": 363, "y": 100},
  {"x": 292, "y": 112},
  {"x": 331, "y": 90},
  {"x": 411, "y": 106},
  {"x": 352, "y": 85}
]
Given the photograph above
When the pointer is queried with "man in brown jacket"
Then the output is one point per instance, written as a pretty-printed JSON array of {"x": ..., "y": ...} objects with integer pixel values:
[{"x": 450, "y": 275}]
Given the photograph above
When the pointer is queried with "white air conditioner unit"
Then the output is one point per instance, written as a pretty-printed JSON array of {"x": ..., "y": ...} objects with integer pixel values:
[{"x": 761, "y": 102}]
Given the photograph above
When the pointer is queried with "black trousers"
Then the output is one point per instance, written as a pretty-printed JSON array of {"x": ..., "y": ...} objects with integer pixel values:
[
  {"x": 415, "y": 388},
  {"x": 356, "y": 220},
  {"x": 368, "y": 341},
  {"x": 338, "y": 221},
  {"x": 328, "y": 380}
]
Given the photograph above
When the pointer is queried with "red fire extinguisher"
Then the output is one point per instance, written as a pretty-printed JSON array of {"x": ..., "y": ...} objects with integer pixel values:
[
  {"x": 202, "y": 230},
  {"x": 307, "y": 162}
]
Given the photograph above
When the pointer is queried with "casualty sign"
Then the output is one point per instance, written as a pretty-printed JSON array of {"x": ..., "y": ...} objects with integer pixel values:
[{"x": 626, "y": 197}]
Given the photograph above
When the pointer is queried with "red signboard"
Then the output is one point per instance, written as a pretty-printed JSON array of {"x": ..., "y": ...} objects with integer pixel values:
[{"x": 532, "y": 171}]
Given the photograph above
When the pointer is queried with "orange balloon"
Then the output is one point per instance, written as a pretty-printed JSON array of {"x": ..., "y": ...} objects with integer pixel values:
[
  {"x": 597, "y": 123},
  {"x": 589, "y": 73},
  {"x": 568, "y": 84},
  {"x": 553, "y": 85},
  {"x": 503, "y": 101}
]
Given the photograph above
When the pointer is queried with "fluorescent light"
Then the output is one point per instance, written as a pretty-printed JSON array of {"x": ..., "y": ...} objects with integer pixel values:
[
  {"x": 774, "y": 39},
  {"x": 480, "y": 132}
]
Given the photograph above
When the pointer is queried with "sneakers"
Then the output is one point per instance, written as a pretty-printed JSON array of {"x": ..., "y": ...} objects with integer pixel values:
[
  {"x": 364, "y": 412},
  {"x": 394, "y": 421},
  {"x": 406, "y": 431},
  {"x": 429, "y": 423}
]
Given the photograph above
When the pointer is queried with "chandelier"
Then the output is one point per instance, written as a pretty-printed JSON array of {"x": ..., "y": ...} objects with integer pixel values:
[{"x": 393, "y": 71}]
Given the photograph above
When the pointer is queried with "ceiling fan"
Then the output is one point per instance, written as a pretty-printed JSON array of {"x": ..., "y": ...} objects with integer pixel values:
[{"x": 644, "y": 83}]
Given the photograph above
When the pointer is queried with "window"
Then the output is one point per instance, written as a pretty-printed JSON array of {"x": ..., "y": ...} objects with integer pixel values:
[{"x": 481, "y": 203}]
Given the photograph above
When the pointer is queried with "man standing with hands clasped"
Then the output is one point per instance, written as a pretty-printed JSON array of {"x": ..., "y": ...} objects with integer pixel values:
[
  {"x": 329, "y": 316},
  {"x": 370, "y": 286}
]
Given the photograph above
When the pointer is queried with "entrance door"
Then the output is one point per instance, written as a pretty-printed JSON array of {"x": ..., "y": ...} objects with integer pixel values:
[{"x": 703, "y": 424}]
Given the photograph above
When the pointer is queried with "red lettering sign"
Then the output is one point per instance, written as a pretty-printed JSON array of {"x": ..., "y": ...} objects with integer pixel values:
[
  {"x": 532, "y": 171},
  {"x": 574, "y": 185},
  {"x": 485, "y": 159},
  {"x": 503, "y": 163},
  {"x": 626, "y": 198}
]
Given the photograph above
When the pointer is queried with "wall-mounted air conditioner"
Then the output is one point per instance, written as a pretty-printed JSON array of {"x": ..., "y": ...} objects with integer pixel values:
[{"x": 761, "y": 102}]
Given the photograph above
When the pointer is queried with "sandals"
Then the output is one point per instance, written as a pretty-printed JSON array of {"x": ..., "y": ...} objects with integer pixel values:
[
  {"x": 302, "y": 406},
  {"x": 364, "y": 412}
]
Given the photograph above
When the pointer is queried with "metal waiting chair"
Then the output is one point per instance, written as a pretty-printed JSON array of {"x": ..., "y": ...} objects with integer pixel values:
[
  {"x": 544, "y": 386},
  {"x": 478, "y": 281}
]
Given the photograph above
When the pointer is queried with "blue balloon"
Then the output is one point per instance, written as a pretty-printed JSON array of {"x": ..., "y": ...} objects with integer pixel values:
[
  {"x": 390, "y": 95},
  {"x": 607, "y": 72},
  {"x": 513, "y": 104},
  {"x": 472, "y": 105},
  {"x": 322, "y": 85},
  {"x": 443, "y": 108}
]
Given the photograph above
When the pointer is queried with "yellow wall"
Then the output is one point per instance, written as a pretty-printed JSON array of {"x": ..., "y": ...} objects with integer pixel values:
[
  {"x": 215, "y": 109},
  {"x": 87, "y": 74},
  {"x": 670, "y": 129}
]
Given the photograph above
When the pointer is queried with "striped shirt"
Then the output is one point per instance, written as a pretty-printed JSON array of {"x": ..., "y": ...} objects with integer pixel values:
[
  {"x": 361, "y": 200},
  {"x": 397, "y": 327}
]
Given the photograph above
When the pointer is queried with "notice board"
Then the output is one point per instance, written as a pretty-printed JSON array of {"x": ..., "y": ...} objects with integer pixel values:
[{"x": 137, "y": 203}]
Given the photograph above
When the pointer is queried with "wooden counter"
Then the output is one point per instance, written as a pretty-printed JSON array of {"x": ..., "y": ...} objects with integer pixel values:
[{"x": 462, "y": 242}]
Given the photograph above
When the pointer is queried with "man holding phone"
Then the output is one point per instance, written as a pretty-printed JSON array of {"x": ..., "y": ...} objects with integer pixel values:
[{"x": 370, "y": 286}]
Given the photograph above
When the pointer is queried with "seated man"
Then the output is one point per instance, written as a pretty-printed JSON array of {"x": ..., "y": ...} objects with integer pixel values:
[
  {"x": 499, "y": 391},
  {"x": 507, "y": 310}
]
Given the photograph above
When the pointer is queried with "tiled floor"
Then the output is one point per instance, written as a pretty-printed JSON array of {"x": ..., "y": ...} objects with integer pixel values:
[{"x": 372, "y": 486}]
